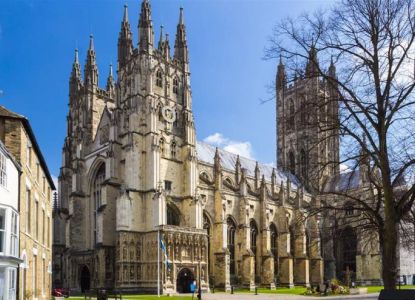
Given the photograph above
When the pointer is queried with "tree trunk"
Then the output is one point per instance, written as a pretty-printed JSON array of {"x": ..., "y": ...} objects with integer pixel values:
[{"x": 388, "y": 245}]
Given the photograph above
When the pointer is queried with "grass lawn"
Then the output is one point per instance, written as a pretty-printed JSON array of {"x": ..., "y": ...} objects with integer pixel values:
[
  {"x": 288, "y": 291},
  {"x": 377, "y": 289},
  {"x": 145, "y": 297}
]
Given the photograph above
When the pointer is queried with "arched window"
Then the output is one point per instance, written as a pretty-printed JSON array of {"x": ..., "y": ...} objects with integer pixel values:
[
  {"x": 349, "y": 209},
  {"x": 254, "y": 235},
  {"x": 231, "y": 244},
  {"x": 97, "y": 197},
  {"x": 307, "y": 243},
  {"x": 175, "y": 86},
  {"x": 159, "y": 78},
  {"x": 173, "y": 149},
  {"x": 274, "y": 246},
  {"x": 291, "y": 162},
  {"x": 291, "y": 115},
  {"x": 303, "y": 113},
  {"x": 162, "y": 147},
  {"x": 304, "y": 163},
  {"x": 173, "y": 217}
]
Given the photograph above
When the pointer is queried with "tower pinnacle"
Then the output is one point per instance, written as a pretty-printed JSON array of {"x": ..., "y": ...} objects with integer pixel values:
[
  {"x": 125, "y": 40},
  {"x": 180, "y": 46},
  {"x": 91, "y": 69},
  {"x": 145, "y": 28}
]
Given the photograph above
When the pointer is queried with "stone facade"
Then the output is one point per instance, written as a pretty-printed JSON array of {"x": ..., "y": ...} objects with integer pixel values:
[
  {"x": 132, "y": 169},
  {"x": 35, "y": 206}
]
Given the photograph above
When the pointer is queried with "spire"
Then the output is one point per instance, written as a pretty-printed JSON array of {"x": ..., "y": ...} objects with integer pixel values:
[
  {"x": 125, "y": 40},
  {"x": 180, "y": 45},
  {"x": 110, "y": 82},
  {"x": 281, "y": 75},
  {"x": 145, "y": 28},
  {"x": 91, "y": 69},
  {"x": 161, "y": 41},
  {"x": 167, "y": 47},
  {"x": 125, "y": 17},
  {"x": 76, "y": 69},
  {"x": 312, "y": 63},
  {"x": 181, "y": 19}
]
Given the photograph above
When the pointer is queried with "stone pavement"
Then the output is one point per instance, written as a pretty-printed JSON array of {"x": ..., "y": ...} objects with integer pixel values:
[{"x": 223, "y": 296}]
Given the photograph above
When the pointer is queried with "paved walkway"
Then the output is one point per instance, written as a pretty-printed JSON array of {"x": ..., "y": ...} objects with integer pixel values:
[{"x": 241, "y": 296}]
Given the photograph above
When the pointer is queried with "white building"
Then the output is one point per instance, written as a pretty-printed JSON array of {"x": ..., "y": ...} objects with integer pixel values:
[{"x": 9, "y": 224}]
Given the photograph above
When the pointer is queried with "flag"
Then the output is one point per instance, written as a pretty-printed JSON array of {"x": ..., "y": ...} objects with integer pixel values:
[{"x": 163, "y": 248}]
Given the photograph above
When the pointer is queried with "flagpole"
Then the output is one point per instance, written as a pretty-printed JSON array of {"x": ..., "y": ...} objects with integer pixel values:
[{"x": 158, "y": 262}]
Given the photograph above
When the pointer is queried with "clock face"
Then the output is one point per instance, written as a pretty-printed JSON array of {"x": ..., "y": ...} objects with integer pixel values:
[{"x": 168, "y": 114}]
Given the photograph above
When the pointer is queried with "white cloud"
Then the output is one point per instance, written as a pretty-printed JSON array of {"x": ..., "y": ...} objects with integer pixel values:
[
  {"x": 216, "y": 139},
  {"x": 344, "y": 168},
  {"x": 244, "y": 149},
  {"x": 55, "y": 181}
]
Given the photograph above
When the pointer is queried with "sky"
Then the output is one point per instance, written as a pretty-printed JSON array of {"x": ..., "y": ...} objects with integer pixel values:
[{"x": 226, "y": 40}]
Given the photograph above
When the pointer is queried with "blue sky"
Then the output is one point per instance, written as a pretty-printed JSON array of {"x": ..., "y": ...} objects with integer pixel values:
[{"x": 226, "y": 41}]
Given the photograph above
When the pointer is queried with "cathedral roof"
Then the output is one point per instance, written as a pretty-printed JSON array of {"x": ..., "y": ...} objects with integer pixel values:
[
  {"x": 344, "y": 182},
  {"x": 206, "y": 153}
]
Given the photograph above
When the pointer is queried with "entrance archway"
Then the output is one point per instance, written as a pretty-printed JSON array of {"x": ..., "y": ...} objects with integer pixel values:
[
  {"x": 85, "y": 279},
  {"x": 346, "y": 250},
  {"x": 184, "y": 279}
]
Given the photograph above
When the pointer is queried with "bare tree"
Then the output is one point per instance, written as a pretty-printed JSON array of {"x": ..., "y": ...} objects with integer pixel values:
[{"x": 371, "y": 43}]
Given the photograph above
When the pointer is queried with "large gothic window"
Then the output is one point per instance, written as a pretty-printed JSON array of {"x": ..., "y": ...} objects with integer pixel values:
[
  {"x": 173, "y": 216},
  {"x": 291, "y": 162},
  {"x": 231, "y": 244},
  {"x": 97, "y": 197},
  {"x": 159, "y": 78},
  {"x": 274, "y": 246},
  {"x": 304, "y": 163},
  {"x": 291, "y": 115},
  {"x": 254, "y": 235}
]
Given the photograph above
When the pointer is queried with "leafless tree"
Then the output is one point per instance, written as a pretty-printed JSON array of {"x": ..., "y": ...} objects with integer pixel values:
[{"x": 371, "y": 43}]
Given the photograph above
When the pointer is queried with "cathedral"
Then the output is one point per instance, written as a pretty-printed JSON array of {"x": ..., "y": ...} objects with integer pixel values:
[{"x": 133, "y": 172}]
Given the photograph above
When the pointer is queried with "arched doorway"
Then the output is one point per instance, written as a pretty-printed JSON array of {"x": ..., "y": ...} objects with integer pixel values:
[
  {"x": 184, "y": 279},
  {"x": 85, "y": 279},
  {"x": 345, "y": 250}
]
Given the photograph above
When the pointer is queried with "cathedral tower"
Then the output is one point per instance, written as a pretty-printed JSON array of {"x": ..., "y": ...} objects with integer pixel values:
[
  {"x": 129, "y": 164},
  {"x": 307, "y": 115}
]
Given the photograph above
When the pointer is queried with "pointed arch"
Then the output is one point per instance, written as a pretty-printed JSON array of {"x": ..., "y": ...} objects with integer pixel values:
[
  {"x": 173, "y": 215},
  {"x": 96, "y": 201},
  {"x": 291, "y": 162},
  {"x": 231, "y": 233},
  {"x": 254, "y": 241},
  {"x": 291, "y": 115},
  {"x": 159, "y": 78},
  {"x": 303, "y": 163},
  {"x": 175, "y": 85},
  {"x": 274, "y": 248},
  {"x": 173, "y": 149}
]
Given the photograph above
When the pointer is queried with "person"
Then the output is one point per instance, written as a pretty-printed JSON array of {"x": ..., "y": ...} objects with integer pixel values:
[{"x": 193, "y": 288}]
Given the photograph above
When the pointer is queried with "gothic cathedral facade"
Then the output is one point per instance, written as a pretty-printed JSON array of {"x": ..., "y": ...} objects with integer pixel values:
[{"x": 133, "y": 171}]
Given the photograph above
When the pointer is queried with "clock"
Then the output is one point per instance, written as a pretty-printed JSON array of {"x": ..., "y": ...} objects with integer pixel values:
[{"x": 168, "y": 114}]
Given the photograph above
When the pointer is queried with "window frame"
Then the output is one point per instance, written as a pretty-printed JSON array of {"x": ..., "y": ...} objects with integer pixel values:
[{"x": 3, "y": 170}]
